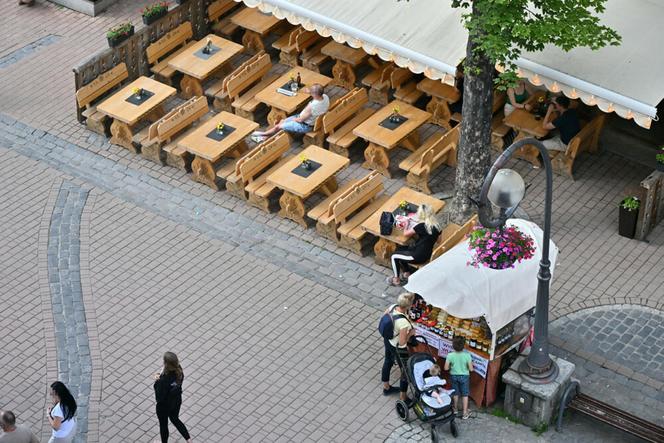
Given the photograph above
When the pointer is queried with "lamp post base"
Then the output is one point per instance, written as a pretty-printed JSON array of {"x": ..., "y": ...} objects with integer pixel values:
[{"x": 538, "y": 375}]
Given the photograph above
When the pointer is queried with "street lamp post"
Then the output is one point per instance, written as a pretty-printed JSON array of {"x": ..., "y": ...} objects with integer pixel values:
[{"x": 505, "y": 189}]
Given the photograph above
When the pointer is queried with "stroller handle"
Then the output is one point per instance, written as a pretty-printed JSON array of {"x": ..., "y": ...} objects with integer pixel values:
[{"x": 420, "y": 338}]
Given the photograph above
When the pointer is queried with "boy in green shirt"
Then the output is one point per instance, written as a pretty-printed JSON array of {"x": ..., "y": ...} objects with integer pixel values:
[{"x": 460, "y": 364}]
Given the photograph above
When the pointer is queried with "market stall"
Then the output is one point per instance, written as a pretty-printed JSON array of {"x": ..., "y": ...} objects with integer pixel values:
[{"x": 491, "y": 308}]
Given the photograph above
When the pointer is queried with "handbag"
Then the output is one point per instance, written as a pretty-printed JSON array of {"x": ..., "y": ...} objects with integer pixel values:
[{"x": 386, "y": 223}]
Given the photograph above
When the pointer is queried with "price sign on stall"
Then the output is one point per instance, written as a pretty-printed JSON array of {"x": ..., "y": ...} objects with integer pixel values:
[{"x": 480, "y": 364}]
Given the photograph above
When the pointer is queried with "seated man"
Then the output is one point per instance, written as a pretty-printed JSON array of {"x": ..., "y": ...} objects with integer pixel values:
[
  {"x": 567, "y": 123},
  {"x": 304, "y": 122}
]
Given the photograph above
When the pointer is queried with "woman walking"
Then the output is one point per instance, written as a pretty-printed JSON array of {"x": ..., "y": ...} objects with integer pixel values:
[
  {"x": 168, "y": 392},
  {"x": 61, "y": 414}
]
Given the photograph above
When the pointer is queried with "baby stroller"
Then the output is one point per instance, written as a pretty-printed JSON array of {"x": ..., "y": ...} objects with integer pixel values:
[{"x": 425, "y": 406}]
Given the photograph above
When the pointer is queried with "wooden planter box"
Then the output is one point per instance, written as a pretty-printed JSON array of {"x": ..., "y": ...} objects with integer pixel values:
[
  {"x": 148, "y": 20},
  {"x": 115, "y": 41}
]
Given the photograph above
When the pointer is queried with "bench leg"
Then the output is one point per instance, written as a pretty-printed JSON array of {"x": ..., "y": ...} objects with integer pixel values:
[
  {"x": 412, "y": 142},
  {"x": 376, "y": 158},
  {"x": 121, "y": 134},
  {"x": 307, "y": 64},
  {"x": 344, "y": 75},
  {"x": 98, "y": 125},
  {"x": 190, "y": 87},
  {"x": 440, "y": 113},
  {"x": 262, "y": 203},
  {"x": 222, "y": 104},
  {"x": 379, "y": 96},
  {"x": 384, "y": 250},
  {"x": 318, "y": 139},
  {"x": 289, "y": 58},
  {"x": 292, "y": 207},
  {"x": 236, "y": 187},
  {"x": 328, "y": 230},
  {"x": 340, "y": 150},
  {"x": 203, "y": 171},
  {"x": 352, "y": 244},
  {"x": 330, "y": 186},
  {"x": 239, "y": 150},
  {"x": 275, "y": 115},
  {"x": 421, "y": 183},
  {"x": 244, "y": 114},
  {"x": 252, "y": 42},
  {"x": 154, "y": 153}
]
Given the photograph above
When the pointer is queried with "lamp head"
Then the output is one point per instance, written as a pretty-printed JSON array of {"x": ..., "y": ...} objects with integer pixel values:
[{"x": 507, "y": 189}]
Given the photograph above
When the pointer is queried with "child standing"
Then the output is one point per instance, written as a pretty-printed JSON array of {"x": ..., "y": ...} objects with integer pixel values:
[{"x": 460, "y": 365}]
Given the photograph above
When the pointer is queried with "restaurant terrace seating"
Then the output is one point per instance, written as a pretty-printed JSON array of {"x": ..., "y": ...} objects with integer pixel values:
[
  {"x": 312, "y": 57},
  {"x": 160, "y": 52},
  {"x": 339, "y": 122},
  {"x": 98, "y": 88},
  {"x": 218, "y": 17},
  {"x": 586, "y": 140},
  {"x": 451, "y": 236},
  {"x": 243, "y": 87}
]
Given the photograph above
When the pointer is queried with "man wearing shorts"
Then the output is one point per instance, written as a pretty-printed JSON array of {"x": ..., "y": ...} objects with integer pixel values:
[{"x": 305, "y": 121}]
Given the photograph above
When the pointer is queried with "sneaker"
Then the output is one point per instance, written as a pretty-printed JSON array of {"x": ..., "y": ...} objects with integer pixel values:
[
  {"x": 258, "y": 138},
  {"x": 390, "y": 281},
  {"x": 465, "y": 416},
  {"x": 390, "y": 390}
]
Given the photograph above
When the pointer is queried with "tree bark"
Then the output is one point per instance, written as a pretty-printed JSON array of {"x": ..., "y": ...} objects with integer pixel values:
[{"x": 474, "y": 154}]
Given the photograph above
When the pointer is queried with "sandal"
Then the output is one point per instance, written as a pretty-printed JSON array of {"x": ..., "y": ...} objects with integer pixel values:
[{"x": 391, "y": 281}]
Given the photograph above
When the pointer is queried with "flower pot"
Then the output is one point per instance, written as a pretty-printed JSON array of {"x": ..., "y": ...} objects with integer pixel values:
[
  {"x": 659, "y": 166},
  {"x": 115, "y": 41},
  {"x": 627, "y": 222},
  {"x": 149, "y": 19}
]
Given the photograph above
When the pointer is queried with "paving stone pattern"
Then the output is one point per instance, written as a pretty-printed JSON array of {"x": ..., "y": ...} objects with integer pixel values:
[
  {"x": 71, "y": 332},
  {"x": 15, "y": 56}
]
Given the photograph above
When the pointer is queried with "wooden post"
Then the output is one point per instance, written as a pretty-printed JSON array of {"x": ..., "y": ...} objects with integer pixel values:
[{"x": 652, "y": 207}]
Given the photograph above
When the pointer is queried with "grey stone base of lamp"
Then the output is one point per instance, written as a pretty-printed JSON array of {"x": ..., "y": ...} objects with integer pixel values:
[{"x": 535, "y": 403}]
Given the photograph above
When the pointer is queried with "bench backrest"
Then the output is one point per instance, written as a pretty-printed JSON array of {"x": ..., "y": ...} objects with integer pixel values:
[
  {"x": 399, "y": 76},
  {"x": 237, "y": 71},
  {"x": 218, "y": 8},
  {"x": 257, "y": 160},
  {"x": 305, "y": 39},
  {"x": 356, "y": 197},
  {"x": 454, "y": 239},
  {"x": 587, "y": 138},
  {"x": 499, "y": 99},
  {"x": 172, "y": 40},
  {"x": 446, "y": 145},
  {"x": 345, "y": 108},
  {"x": 250, "y": 74},
  {"x": 178, "y": 119},
  {"x": 101, "y": 84}
]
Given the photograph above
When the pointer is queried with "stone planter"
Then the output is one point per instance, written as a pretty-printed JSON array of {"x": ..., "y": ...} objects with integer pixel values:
[{"x": 148, "y": 20}]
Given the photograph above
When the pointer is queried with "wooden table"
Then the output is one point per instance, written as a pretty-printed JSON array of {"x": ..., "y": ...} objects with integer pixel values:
[
  {"x": 209, "y": 152},
  {"x": 382, "y": 139},
  {"x": 387, "y": 244},
  {"x": 197, "y": 69},
  {"x": 527, "y": 125},
  {"x": 442, "y": 95},
  {"x": 347, "y": 60},
  {"x": 257, "y": 25},
  {"x": 284, "y": 105},
  {"x": 297, "y": 189},
  {"x": 125, "y": 115}
]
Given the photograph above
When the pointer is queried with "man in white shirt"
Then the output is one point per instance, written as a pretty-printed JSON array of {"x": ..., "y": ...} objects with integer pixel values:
[
  {"x": 305, "y": 121},
  {"x": 13, "y": 433}
]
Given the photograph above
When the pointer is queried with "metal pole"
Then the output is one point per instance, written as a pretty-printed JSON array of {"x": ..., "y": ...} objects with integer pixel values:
[{"x": 538, "y": 367}]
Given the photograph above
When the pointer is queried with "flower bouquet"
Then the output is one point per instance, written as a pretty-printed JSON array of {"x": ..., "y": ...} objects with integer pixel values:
[
  {"x": 395, "y": 117},
  {"x": 119, "y": 33},
  {"x": 306, "y": 164},
  {"x": 220, "y": 128},
  {"x": 138, "y": 92},
  {"x": 499, "y": 248},
  {"x": 152, "y": 13}
]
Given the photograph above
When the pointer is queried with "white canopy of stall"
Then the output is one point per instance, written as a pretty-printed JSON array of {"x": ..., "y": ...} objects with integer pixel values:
[
  {"x": 428, "y": 37},
  {"x": 499, "y": 295}
]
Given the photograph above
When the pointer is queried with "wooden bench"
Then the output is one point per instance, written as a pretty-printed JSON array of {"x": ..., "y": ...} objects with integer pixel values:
[
  {"x": 379, "y": 82},
  {"x": 243, "y": 87},
  {"x": 312, "y": 57},
  {"x": 160, "y": 145},
  {"x": 339, "y": 122},
  {"x": 293, "y": 43},
  {"x": 218, "y": 91},
  {"x": 97, "y": 88},
  {"x": 249, "y": 177},
  {"x": 339, "y": 217},
  {"x": 219, "y": 20},
  {"x": 586, "y": 140},
  {"x": 451, "y": 236},
  {"x": 404, "y": 89},
  {"x": 435, "y": 151},
  {"x": 167, "y": 47}
]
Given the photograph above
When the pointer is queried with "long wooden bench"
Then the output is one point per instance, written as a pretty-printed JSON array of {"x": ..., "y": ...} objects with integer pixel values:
[
  {"x": 436, "y": 150},
  {"x": 339, "y": 216},
  {"x": 217, "y": 92},
  {"x": 160, "y": 145},
  {"x": 293, "y": 43},
  {"x": 404, "y": 89},
  {"x": 243, "y": 87},
  {"x": 160, "y": 52},
  {"x": 339, "y": 122},
  {"x": 218, "y": 17},
  {"x": 312, "y": 57},
  {"x": 379, "y": 82},
  {"x": 88, "y": 95},
  {"x": 586, "y": 140},
  {"x": 249, "y": 178}
]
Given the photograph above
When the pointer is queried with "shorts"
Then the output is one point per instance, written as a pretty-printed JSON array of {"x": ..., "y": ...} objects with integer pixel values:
[
  {"x": 290, "y": 125},
  {"x": 461, "y": 384},
  {"x": 554, "y": 144}
]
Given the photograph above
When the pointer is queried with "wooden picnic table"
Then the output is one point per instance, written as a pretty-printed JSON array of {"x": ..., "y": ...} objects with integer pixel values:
[
  {"x": 126, "y": 115},
  {"x": 196, "y": 66},
  {"x": 526, "y": 124},
  {"x": 257, "y": 25},
  {"x": 442, "y": 95},
  {"x": 297, "y": 189},
  {"x": 347, "y": 60},
  {"x": 209, "y": 152},
  {"x": 381, "y": 140},
  {"x": 387, "y": 244},
  {"x": 284, "y": 105}
]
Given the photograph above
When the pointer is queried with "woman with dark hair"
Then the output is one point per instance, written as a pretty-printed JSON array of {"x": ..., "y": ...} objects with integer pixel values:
[
  {"x": 168, "y": 392},
  {"x": 61, "y": 414}
]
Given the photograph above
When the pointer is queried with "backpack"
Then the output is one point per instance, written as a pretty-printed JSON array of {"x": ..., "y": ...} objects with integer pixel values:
[
  {"x": 386, "y": 323},
  {"x": 386, "y": 223}
]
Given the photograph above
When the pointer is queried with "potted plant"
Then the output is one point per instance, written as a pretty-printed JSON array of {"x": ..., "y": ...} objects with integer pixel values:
[
  {"x": 627, "y": 216},
  {"x": 220, "y": 128},
  {"x": 306, "y": 163},
  {"x": 152, "y": 13},
  {"x": 180, "y": 2},
  {"x": 395, "y": 117},
  {"x": 500, "y": 248},
  {"x": 659, "y": 157},
  {"x": 118, "y": 34}
]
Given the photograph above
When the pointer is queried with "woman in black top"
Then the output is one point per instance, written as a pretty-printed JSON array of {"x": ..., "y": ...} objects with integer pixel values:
[
  {"x": 428, "y": 230},
  {"x": 168, "y": 392}
]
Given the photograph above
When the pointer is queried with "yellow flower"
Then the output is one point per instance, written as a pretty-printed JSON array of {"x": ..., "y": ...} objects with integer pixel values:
[
  {"x": 220, "y": 126},
  {"x": 136, "y": 91},
  {"x": 540, "y": 99},
  {"x": 303, "y": 158},
  {"x": 395, "y": 109},
  {"x": 403, "y": 204},
  {"x": 292, "y": 77}
]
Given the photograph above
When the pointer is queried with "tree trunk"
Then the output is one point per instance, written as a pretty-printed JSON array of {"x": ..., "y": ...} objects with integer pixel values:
[{"x": 474, "y": 154}]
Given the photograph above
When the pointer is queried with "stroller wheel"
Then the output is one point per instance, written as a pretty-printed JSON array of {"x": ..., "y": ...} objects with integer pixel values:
[
  {"x": 434, "y": 434},
  {"x": 454, "y": 429},
  {"x": 402, "y": 410}
]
